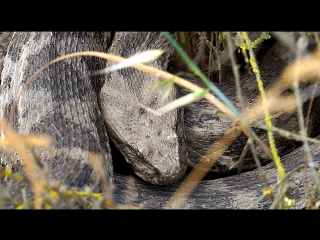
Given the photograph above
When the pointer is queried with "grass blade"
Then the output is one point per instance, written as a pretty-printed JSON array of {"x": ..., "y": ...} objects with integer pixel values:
[
  {"x": 180, "y": 102},
  {"x": 143, "y": 57}
]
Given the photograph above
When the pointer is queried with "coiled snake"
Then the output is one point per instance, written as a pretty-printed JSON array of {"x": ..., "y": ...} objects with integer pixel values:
[{"x": 81, "y": 111}]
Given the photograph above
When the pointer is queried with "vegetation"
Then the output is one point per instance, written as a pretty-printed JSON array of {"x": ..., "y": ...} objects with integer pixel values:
[{"x": 221, "y": 59}]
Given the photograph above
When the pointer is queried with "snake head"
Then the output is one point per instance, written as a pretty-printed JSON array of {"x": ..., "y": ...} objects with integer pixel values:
[{"x": 154, "y": 146}]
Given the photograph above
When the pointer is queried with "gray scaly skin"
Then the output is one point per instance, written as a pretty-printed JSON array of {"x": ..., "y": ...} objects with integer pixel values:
[
  {"x": 233, "y": 192},
  {"x": 5, "y": 38},
  {"x": 154, "y": 146},
  {"x": 203, "y": 130},
  {"x": 62, "y": 118},
  {"x": 61, "y": 104},
  {"x": 53, "y": 96}
]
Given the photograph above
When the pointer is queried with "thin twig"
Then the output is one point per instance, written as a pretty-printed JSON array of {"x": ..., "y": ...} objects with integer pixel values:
[
  {"x": 306, "y": 185},
  {"x": 268, "y": 120},
  {"x": 24, "y": 198},
  {"x": 284, "y": 133},
  {"x": 218, "y": 59},
  {"x": 295, "y": 85},
  {"x": 240, "y": 97},
  {"x": 210, "y": 59},
  {"x": 275, "y": 186},
  {"x": 240, "y": 161},
  {"x": 260, "y": 169}
]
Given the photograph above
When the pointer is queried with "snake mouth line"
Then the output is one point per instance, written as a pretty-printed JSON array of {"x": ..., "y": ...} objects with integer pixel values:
[
  {"x": 154, "y": 176},
  {"x": 123, "y": 168}
]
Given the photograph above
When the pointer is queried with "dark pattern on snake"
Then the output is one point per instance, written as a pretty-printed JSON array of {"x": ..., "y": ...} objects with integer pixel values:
[{"x": 66, "y": 106}]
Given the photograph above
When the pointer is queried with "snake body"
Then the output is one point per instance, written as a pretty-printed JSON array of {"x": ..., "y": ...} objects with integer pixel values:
[{"x": 77, "y": 109}]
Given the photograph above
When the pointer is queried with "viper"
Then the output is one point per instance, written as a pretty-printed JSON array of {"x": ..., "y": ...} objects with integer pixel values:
[{"x": 81, "y": 112}]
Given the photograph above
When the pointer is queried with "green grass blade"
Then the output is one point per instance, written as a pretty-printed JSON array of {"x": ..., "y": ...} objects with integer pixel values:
[
  {"x": 180, "y": 102},
  {"x": 198, "y": 72}
]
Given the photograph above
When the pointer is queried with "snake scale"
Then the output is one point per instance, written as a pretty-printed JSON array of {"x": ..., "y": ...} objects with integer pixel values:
[{"x": 81, "y": 112}]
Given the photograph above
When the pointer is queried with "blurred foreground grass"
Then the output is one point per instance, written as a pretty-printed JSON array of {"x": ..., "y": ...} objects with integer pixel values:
[{"x": 205, "y": 64}]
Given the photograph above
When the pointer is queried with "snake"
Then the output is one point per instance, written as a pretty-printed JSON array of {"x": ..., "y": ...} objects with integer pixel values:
[{"x": 82, "y": 112}]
